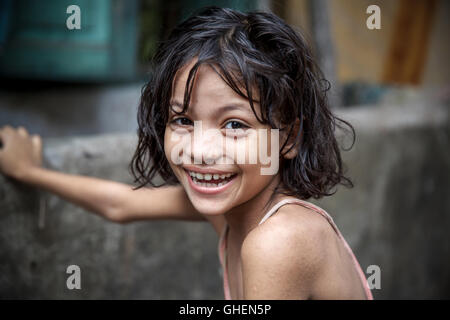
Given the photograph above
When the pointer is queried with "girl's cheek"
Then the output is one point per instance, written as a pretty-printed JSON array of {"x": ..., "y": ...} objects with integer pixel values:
[
  {"x": 269, "y": 151},
  {"x": 169, "y": 146},
  {"x": 243, "y": 150},
  {"x": 177, "y": 146}
]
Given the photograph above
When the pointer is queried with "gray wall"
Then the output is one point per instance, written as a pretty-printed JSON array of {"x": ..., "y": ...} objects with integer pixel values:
[
  {"x": 396, "y": 217},
  {"x": 398, "y": 214},
  {"x": 155, "y": 260},
  {"x": 70, "y": 109}
]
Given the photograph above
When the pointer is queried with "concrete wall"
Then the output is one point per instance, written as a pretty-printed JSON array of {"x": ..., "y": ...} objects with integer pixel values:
[
  {"x": 154, "y": 260},
  {"x": 398, "y": 214},
  {"x": 55, "y": 110},
  {"x": 396, "y": 217}
]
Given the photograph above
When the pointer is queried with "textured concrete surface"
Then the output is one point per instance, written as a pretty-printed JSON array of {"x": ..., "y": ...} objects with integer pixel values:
[
  {"x": 396, "y": 217},
  {"x": 55, "y": 110},
  {"x": 154, "y": 260},
  {"x": 398, "y": 214}
]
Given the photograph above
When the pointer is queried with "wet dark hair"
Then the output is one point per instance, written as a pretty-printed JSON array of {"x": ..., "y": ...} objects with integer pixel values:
[{"x": 248, "y": 50}]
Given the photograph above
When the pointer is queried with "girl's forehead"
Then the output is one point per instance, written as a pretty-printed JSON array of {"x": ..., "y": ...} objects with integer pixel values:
[
  {"x": 207, "y": 87},
  {"x": 205, "y": 80}
]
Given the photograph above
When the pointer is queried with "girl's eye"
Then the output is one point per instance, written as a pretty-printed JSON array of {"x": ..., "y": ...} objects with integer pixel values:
[
  {"x": 182, "y": 121},
  {"x": 235, "y": 125}
]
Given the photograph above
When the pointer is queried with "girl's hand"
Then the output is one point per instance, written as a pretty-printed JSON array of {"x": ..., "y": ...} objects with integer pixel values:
[{"x": 19, "y": 152}]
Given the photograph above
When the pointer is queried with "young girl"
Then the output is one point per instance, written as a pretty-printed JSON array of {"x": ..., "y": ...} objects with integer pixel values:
[{"x": 243, "y": 77}]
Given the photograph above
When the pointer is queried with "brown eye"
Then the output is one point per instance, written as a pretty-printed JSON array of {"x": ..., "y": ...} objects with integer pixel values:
[
  {"x": 182, "y": 121},
  {"x": 235, "y": 125}
]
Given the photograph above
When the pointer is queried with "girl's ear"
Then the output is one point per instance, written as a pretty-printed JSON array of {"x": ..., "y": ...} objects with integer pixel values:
[{"x": 293, "y": 141}]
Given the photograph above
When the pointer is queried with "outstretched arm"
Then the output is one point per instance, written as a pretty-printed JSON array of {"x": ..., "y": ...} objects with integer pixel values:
[{"x": 21, "y": 159}]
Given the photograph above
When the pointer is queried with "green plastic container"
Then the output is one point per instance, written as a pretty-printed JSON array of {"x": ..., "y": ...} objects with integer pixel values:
[{"x": 36, "y": 43}]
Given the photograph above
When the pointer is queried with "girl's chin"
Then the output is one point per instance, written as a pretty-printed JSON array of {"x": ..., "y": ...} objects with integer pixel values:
[{"x": 209, "y": 207}]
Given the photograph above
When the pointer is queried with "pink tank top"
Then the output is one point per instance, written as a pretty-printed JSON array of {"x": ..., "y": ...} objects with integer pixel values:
[{"x": 223, "y": 246}]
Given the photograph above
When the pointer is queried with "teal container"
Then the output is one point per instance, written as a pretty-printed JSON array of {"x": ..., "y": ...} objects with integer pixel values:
[{"x": 36, "y": 43}]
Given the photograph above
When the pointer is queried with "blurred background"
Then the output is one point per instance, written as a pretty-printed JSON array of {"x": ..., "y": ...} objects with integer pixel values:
[{"x": 79, "y": 89}]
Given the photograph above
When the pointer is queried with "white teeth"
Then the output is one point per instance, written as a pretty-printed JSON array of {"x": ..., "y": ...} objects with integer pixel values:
[
  {"x": 196, "y": 176},
  {"x": 206, "y": 176},
  {"x": 199, "y": 176},
  {"x": 208, "y": 184}
]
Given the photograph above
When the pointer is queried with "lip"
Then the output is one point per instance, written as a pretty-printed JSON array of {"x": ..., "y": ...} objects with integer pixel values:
[{"x": 208, "y": 190}]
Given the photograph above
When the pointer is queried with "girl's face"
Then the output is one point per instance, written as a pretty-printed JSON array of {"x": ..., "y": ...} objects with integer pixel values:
[{"x": 212, "y": 147}]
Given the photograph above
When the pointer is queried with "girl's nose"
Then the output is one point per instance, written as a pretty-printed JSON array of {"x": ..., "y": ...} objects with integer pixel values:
[{"x": 207, "y": 147}]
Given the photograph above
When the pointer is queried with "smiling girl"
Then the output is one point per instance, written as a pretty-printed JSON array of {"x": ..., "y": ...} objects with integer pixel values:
[{"x": 243, "y": 77}]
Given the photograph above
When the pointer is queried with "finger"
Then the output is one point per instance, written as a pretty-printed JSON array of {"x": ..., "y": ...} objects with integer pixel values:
[
  {"x": 6, "y": 128},
  {"x": 5, "y": 133},
  {"x": 2, "y": 139},
  {"x": 37, "y": 142},
  {"x": 22, "y": 131}
]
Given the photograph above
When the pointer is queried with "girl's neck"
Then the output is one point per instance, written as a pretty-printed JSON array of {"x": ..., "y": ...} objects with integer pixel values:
[{"x": 245, "y": 217}]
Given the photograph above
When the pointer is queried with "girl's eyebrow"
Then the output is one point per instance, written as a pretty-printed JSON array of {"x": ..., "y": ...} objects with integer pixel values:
[{"x": 222, "y": 109}]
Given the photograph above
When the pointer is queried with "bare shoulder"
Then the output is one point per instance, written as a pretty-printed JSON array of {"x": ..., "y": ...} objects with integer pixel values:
[
  {"x": 292, "y": 228},
  {"x": 292, "y": 246}
]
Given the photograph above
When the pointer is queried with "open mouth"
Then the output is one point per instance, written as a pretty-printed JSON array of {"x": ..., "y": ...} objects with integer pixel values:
[{"x": 210, "y": 180}]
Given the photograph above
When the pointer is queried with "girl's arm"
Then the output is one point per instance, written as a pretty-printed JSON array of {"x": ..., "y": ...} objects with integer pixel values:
[
  {"x": 115, "y": 201},
  {"x": 21, "y": 159}
]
